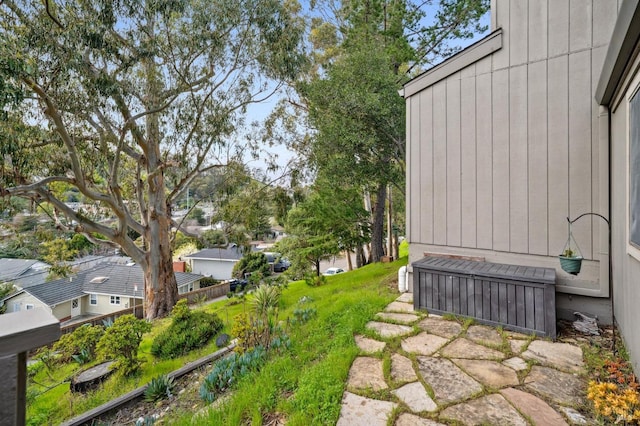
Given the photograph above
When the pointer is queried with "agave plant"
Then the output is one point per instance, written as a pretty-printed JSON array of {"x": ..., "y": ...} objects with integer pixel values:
[{"x": 159, "y": 387}]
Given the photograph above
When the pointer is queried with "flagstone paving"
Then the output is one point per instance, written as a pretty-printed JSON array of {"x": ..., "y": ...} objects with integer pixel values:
[{"x": 439, "y": 373}]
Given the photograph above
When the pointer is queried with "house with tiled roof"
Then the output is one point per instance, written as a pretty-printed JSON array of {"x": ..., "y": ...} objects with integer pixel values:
[
  {"x": 107, "y": 288},
  {"x": 217, "y": 262}
]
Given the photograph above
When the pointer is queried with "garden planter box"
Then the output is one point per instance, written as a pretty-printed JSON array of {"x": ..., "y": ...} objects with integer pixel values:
[{"x": 518, "y": 298}]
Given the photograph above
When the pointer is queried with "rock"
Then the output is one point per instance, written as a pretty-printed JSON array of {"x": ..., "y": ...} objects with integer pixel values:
[
  {"x": 563, "y": 356},
  {"x": 407, "y": 419},
  {"x": 384, "y": 329},
  {"x": 448, "y": 382},
  {"x": 516, "y": 363},
  {"x": 359, "y": 411},
  {"x": 399, "y": 307},
  {"x": 517, "y": 345},
  {"x": 485, "y": 335},
  {"x": 415, "y": 397},
  {"x": 423, "y": 344},
  {"x": 575, "y": 418},
  {"x": 369, "y": 345},
  {"x": 489, "y": 373},
  {"x": 401, "y": 318},
  {"x": 463, "y": 348},
  {"x": 563, "y": 388},
  {"x": 366, "y": 373},
  {"x": 402, "y": 369},
  {"x": 491, "y": 410},
  {"x": 405, "y": 297},
  {"x": 222, "y": 340},
  {"x": 441, "y": 327},
  {"x": 533, "y": 407}
]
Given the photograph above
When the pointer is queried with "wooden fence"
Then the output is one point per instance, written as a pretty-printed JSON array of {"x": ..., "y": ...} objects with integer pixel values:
[{"x": 207, "y": 293}]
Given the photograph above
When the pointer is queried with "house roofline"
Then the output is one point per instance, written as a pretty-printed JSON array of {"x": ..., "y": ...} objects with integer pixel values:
[
  {"x": 470, "y": 55},
  {"x": 623, "y": 41}
]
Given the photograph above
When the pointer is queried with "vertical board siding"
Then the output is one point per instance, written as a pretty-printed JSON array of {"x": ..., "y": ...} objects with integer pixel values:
[
  {"x": 440, "y": 163},
  {"x": 413, "y": 168},
  {"x": 558, "y": 156},
  {"x": 538, "y": 31},
  {"x": 500, "y": 160},
  {"x": 606, "y": 16},
  {"x": 580, "y": 24},
  {"x": 537, "y": 156},
  {"x": 468, "y": 162},
  {"x": 500, "y": 59},
  {"x": 425, "y": 160},
  {"x": 518, "y": 33},
  {"x": 558, "y": 27},
  {"x": 453, "y": 161},
  {"x": 484, "y": 160},
  {"x": 518, "y": 164},
  {"x": 580, "y": 147}
]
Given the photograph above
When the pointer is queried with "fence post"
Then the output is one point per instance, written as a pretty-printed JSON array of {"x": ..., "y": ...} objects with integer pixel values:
[{"x": 20, "y": 332}]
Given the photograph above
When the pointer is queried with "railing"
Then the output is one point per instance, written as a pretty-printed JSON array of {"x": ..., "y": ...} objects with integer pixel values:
[
  {"x": 212, "y": 292},
  {"x": 20, "y": 332}
]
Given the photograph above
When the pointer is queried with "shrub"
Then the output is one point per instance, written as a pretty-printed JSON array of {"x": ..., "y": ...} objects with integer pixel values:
[
  {"x": 188, "y": 330},
  {"x": 208, "y": 282},
  {"x": 159, "y": 387},
  {"x": 82, "y": 342},
  {"x": 121, "y": 342},
  {"x": 265, "y": 298}
]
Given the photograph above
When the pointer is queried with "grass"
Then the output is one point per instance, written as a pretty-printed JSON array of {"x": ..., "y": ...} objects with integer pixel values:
[{"x": 305, "y": 384}]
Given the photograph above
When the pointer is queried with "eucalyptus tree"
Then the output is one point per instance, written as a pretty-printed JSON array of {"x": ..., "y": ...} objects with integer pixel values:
[{"x": 129, "y": 101}]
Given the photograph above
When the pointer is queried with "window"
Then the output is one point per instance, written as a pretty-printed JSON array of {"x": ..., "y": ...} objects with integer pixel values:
[
  {"x": 93, "y": 299},
  {"x": 16, "y": 307},
  {"x": 633, "y": 183},
  {"x": 28, "y": 306},
  {"x": 74, "y": 304},
  {"x": 115, "y": 300}
]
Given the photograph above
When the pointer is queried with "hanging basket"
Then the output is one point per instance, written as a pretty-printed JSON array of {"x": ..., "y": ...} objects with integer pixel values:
[{"x": 570, "y": 264}]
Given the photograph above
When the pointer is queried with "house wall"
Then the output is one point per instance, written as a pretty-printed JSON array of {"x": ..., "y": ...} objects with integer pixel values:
[
  {"x": 23, "y": 299},
  {"x": 626, "y": 267},
  {"x": 62, "y": 310},
  {"x": 217, "y": 269},
  {"x": 501, "y": 152},
  {"x": 104, "y": 305}
]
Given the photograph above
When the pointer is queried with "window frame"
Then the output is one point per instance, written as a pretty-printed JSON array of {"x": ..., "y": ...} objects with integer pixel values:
[
  {"x": 114, "y": 300},
  {"x": 93, "y": 299},
  {"x": 632, "y": 249}
]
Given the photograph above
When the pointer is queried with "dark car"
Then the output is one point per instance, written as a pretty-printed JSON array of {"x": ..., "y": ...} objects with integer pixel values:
[
  {"x": 237, "y": 285},
  {"x": 280, "y": 264}
]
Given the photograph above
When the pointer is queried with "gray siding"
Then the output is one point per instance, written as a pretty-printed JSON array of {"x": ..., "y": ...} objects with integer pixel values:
[{"x": 509, "y": 146}]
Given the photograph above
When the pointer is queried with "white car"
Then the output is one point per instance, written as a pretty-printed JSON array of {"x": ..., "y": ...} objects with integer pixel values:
[{"x": 333, "y": 271}]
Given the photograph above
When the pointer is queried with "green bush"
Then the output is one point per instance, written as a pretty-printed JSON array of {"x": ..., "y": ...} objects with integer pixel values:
[
  {"x": 82, "y": 342},
  {"x": 121, "y": 342},
  {"x": 188, "y": 330}
]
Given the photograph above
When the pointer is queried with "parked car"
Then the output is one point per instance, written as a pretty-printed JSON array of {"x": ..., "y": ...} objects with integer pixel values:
[
  {"x": 280, "y": 264},
  {"x": 333, "y": 271},
  {"x": 237, "y": 285}
]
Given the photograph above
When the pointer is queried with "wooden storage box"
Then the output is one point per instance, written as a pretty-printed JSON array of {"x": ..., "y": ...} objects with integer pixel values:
[{"x": 518, "y": 298}]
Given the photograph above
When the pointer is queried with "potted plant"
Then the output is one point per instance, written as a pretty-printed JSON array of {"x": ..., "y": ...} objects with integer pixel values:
[{"x": 570, "y": 261}]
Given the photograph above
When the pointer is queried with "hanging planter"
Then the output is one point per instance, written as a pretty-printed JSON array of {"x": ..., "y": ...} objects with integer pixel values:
[
  {"x": 571, "y": 257},
  {"x": 569, "y": 262}
]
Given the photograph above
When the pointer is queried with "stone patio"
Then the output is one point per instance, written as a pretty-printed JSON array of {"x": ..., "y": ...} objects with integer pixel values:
[{"x": 441, "y": 373}]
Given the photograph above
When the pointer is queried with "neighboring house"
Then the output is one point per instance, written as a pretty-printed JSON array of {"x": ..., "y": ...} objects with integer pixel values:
[
  {"x": 22, "y": 272},
  {"x": 511, "y": 136},
  {"x": 104, "y": 289},
  {"x": 216, "y": 263}
]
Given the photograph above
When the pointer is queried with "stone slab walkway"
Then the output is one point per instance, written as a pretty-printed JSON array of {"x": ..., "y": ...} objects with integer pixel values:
[{"x": 420, "y": 369}]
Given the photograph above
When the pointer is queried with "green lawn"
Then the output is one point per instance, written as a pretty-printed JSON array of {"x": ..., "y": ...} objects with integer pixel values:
[{"x": 305, "y": 384}]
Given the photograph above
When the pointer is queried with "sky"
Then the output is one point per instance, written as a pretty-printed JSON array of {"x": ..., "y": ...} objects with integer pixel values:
[{"x": 259, "y": 112}]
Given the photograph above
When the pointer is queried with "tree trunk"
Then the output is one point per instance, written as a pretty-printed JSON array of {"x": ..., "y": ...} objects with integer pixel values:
[
  {"x": 348, "y": 253},
  {"x": 377, "y": 246},
  {"x": 161, "y": 287}
]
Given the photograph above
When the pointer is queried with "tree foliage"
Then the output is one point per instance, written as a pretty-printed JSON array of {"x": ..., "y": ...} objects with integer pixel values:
[
  {"x": 128, "y": 102},
  {"x": 252, "y": 263}
]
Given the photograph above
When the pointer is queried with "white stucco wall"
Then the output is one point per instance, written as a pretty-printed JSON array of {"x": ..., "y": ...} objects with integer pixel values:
[{"x": 217, "y": 269}]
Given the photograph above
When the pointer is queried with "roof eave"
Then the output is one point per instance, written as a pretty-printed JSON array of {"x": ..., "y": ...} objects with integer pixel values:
[
  {"x": 470, "y": 55},
  {"x": 623, "y": 41}
]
